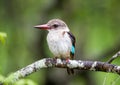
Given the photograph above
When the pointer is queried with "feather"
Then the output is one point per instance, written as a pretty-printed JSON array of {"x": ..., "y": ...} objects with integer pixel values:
[{"x": 72, "y": 51}]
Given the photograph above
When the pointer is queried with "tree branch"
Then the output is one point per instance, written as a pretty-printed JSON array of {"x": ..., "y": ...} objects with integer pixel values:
[
  {"x": 114, "y": 57},
  {"x": 52, "y": 62}
]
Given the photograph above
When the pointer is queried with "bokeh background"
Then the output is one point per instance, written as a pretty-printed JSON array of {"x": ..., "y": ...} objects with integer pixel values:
[{"x": 95, "y": 24}]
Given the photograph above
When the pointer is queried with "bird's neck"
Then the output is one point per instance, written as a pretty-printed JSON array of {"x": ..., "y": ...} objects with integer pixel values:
[{"x": 56, "y": 34}]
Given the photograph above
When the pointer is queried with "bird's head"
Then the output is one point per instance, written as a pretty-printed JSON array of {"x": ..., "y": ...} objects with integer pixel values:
[{"x": 53, "y": 25}]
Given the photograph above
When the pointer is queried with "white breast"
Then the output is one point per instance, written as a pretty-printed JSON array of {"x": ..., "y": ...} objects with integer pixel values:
[{"x": 59, "y": 44}]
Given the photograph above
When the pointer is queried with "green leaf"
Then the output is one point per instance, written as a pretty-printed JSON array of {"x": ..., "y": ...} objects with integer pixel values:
[
  {"x": 25, "y": 82},
  {"x": 3, "y": 37}
]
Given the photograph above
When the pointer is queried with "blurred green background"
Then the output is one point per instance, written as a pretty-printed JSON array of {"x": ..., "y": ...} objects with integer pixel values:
[{"x": 95, "y": 24}]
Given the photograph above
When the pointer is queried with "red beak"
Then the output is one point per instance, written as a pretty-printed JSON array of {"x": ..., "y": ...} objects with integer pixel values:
[{"x": 44, "y": 26}]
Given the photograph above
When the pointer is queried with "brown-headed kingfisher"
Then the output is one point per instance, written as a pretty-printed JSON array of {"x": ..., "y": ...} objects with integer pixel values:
[{"x": 60, "y": 40}]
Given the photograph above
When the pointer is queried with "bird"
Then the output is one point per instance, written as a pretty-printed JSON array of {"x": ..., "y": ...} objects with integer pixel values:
[{"x": 61, "y": 41}]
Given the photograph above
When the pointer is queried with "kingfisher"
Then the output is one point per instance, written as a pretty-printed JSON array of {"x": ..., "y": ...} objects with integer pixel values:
[{"x": 61, "y": 41}]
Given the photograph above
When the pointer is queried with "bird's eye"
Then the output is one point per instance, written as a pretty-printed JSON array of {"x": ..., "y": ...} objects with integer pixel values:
[{"x": 55, "y": 25}]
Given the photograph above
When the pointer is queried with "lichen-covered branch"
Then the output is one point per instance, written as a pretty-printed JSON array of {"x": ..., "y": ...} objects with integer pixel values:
[{"x": 52, "y": 62}]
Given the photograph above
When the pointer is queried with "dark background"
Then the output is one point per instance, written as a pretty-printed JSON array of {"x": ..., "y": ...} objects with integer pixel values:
[{"x": 95, "y": 24}]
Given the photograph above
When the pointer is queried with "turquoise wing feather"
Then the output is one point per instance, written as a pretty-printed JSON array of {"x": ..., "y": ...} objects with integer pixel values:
[{"x": 72, "y": 51}]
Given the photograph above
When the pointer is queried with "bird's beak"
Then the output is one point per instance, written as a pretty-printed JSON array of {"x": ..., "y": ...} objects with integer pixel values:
[{"x": 44, "y": 26}]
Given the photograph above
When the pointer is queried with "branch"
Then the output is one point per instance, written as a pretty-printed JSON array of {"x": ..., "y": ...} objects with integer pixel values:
[
  {"x": 52, "y": 62},
  {"x": 114, "y": 57}
]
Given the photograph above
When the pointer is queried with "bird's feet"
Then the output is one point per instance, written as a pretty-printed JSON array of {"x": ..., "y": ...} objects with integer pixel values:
[{"x": 67, "y": 60}]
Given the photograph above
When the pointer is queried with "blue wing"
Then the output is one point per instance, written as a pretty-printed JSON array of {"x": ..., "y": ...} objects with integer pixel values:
[{"x": 72, "y": 51}]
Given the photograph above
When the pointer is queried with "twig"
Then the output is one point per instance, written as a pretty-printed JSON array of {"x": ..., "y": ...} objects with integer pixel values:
[
  {"x": 114, "y": 57},
  {"x": 52, "y": 62}
]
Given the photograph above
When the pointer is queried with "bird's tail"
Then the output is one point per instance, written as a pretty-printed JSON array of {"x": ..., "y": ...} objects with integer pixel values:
[{"x": 70, "y": 71}]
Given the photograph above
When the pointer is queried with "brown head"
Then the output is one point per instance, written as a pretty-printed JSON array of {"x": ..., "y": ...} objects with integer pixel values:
[{"x": 54, "y": 24}]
